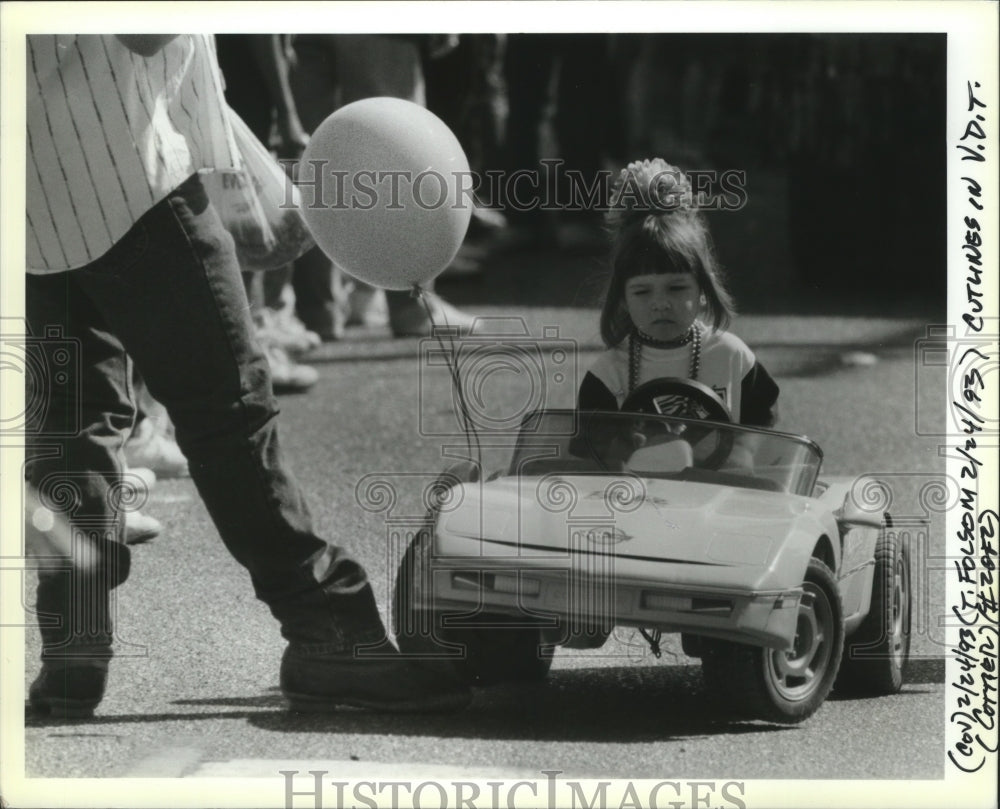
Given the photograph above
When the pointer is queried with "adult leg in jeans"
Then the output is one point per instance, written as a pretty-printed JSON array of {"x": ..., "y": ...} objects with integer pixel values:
[
  {"x": 180, "y": 311},
  {"x": 75, "y": 463}
]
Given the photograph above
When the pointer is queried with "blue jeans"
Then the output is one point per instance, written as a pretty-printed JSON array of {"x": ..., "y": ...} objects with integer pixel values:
[{"x": 170, "y": 296}]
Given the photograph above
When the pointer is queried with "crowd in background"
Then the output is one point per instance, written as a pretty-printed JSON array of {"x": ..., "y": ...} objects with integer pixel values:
[
  {"x": 495, "y": 92},
  {"x": 833, "y": 113}
]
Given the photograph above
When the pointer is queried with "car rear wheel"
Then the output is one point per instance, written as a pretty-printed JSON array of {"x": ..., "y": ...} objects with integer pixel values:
[
  {"x": 486, "y": 650},
  {"x": 784, "y": 686},
  {"x": 876, "y": 655}
]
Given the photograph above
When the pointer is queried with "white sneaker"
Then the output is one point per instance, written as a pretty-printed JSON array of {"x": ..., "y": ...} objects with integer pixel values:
[
  {"x": 288, "y": 332},
  {"x": 149, "y": 448},
  {"x": 288, "y": 376},
  {"x": 140, "y": 527},
  {"x": 145, "y": 475}
]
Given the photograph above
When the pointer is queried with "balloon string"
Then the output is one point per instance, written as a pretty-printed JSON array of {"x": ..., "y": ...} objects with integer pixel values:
[{"x": 450, "y": 352}]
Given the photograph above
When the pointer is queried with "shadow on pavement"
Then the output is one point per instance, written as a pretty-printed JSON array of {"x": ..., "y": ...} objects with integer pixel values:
[
  {"x": 32, "y": 720},
  {"x": 649, "y": 704},
  {"x": 655, "y": 703},
  {"x": 925, "y": 671}
]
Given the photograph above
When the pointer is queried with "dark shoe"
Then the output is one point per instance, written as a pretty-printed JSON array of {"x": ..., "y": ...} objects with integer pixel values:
[
  {"x": 382, "y": 681},
  {"x": 68, "y": 689}
]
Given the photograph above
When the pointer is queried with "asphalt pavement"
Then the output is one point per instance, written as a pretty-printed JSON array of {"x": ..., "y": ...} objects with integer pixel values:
[{"x": 193, "y": 691}]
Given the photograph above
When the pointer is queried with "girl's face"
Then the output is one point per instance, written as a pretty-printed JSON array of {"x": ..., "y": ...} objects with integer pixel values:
[{"x": 663, "y": 305}]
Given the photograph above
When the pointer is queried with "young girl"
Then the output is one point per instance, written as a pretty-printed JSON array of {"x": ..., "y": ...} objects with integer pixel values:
[{"x": 666, "y": 310}]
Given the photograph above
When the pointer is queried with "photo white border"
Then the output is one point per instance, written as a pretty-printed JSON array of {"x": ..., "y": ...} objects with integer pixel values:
[{"x": 972, "y": 56}]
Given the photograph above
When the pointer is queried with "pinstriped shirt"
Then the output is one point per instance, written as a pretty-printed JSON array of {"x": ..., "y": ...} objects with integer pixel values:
[{"x": 110, "y": 134}]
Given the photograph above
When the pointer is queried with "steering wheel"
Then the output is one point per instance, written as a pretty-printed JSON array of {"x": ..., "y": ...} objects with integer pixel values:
[{"x": 686, "y": 398}]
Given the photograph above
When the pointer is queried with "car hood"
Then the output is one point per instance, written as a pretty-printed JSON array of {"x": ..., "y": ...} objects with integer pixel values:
[{"x": 644, "y": 527}]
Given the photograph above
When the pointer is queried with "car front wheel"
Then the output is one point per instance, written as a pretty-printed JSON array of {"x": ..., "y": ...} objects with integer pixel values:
[
  {"x": 778, "y": 685},
  {"x": 480, "y": 649}
]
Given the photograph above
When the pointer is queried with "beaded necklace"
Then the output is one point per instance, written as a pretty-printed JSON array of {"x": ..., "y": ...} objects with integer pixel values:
[{"x": 637, "y": 339}]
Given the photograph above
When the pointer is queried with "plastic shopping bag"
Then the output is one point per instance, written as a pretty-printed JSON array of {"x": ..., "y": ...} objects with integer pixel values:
[{"x": 259, "y": 206}]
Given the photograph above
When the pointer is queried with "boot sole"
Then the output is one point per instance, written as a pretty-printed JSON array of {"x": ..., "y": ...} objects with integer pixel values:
[
  {"x": 62, "y": 708},
  {"x": 140, "y": 538}
]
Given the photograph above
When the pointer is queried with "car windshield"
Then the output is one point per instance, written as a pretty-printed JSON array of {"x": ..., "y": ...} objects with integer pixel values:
[{"x": 572, "y": 442}]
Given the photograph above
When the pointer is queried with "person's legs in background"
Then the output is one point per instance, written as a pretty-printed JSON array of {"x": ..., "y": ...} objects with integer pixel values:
[
  {"x": 321, "y": 291},
  {"x": 150, "y": 453},
  {"x": 465, "y": 90},
  {"x": 583, "y": 120},
  {"x": 572, "y": 74},
  {"x": 151, "y": 444},
  {"x": 246, "y": 95},
  {"x": 330, "y": 71},
  {"x": 530, "y": 61},
  {"x": 283, "y": 337}
]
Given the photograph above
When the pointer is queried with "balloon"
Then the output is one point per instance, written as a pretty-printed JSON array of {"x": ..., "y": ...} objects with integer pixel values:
[{"x": 386, "y": 191}]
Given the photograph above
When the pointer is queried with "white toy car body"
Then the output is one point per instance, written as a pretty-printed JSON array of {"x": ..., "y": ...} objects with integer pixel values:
[{"x": 720, "y": 532}]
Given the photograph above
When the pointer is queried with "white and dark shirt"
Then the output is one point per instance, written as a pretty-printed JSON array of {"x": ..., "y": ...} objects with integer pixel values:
[
  {"x": 727, "y": 366},
  {"x": 110, "y": 134}
]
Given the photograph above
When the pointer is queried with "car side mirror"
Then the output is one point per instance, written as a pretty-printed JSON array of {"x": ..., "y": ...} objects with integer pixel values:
[{"x": 851, "y": 513}]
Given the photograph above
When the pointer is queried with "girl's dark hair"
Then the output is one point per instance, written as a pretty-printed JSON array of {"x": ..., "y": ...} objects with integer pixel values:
[{"x": 656, "y": 228}]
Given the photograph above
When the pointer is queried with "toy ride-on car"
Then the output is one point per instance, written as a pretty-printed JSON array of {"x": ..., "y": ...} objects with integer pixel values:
[{"x": 780, "y": 583}]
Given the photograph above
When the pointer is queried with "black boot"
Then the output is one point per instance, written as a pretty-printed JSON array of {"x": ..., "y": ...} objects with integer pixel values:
[
  {"x": 74, "y": 615},
  {"x": 378, "y": 678},
  {"x": 339, "y": 655}
]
